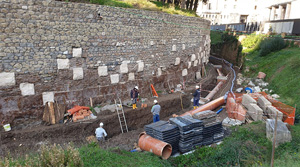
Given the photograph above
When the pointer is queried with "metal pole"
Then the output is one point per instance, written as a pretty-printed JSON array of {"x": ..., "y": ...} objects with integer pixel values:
[{"x": 274, "y": 140}]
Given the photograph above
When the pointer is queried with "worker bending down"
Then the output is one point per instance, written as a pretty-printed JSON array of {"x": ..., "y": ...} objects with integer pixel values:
[
  {"x": 155, "y": 111},
  {"x": 197, "y": 96},
  {"x": 100, "y": 133},
  {"x": 134, "y": 94}
]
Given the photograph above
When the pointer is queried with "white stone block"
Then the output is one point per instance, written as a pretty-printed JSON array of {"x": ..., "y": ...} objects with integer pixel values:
[
  {"x": 77, "y": 73},
  {"x": 48, "y": 97},
  {"x": 123, "y": 68},
  {"x": 140, "y": 66},
  {"x": 177, "y": 61},
  {"x": 131, "y": 76},
  {"x": 184, "y": 72},
  {"x": 63, "y": 64},
  {"x": 193, "y": 57},
  {"x": 263, "y": 103},
  {"x": 7, "y": 79},
  {"x": 255, "y": 112},
  {"x": 174, "y": 48},
  {"x": 114, "y": 78},
  {"x": 183, "y": 46},
  {"x": 151, "y": 43},
  {"x": 102, "y": 71},
  {"x": 159, "y": 72},
  {"x": 27, "y": 89},
  {"x": 198, "y": 75},
  {"x": 195, "y": 63},
  {"x": 247, "y": 100},
  {"x": 189, "y": 64},
  {"x": 77, "y": 52}
]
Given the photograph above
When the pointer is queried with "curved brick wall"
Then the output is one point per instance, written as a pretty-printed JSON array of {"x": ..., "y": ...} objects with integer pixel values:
[{"x": 63, "y": 51}]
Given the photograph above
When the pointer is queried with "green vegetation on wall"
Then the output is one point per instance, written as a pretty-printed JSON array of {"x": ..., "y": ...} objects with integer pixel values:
[{"x": 142, "y": 4}]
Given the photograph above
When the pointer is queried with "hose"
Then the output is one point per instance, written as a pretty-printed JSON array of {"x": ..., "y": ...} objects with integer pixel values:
[{"x": 234, "y": 75}]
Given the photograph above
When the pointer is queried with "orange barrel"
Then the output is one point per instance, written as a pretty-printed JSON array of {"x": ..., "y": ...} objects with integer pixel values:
[{"x": 150, "y": 144}]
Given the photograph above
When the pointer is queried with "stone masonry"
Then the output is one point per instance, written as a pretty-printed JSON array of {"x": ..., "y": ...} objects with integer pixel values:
[{"x": 60, "y": 51}]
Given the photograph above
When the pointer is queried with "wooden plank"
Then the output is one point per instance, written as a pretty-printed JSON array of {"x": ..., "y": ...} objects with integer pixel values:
[
  {"x": 46, "y": 116},
  {"x": 52, "y": 114},
  {"x": 59, "y": 112}
]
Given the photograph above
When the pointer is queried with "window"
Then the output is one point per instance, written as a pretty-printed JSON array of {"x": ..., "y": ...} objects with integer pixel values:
[
  {"x": 209, "y": 6},
  {"x": 255, "y": 7},
  {"x": 225, "y": 6},
  {"x": 234, "y": 7}
]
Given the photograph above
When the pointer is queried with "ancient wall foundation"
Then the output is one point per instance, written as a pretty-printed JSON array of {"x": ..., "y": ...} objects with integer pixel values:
[{"x": 71, "y": 52}]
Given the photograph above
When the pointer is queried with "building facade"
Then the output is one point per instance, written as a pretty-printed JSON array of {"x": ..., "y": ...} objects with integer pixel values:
[
  {"x": 283, "y": 17},
  {"x": 231, "y": 11},
  {"x": 283, "y": 9}
]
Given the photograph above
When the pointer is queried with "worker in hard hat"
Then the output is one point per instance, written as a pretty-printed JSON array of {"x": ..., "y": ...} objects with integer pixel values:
[
  {"x": 100, "y": 133},
  {"x": 155, "y": 111},
  {"x": 197, "y": 96},
  {"x": 134, "y": 94}
]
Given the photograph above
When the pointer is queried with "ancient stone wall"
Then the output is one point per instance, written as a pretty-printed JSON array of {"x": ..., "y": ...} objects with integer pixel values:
[{"x": 71, "y": 52}]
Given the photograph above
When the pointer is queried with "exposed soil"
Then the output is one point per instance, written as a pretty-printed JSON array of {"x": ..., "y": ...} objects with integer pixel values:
[{"x": 19, "y": 142}]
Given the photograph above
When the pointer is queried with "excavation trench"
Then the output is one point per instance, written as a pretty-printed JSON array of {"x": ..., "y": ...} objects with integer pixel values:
[
  {"x": 19, "y": 142},
  {"x": 27, "y": 140}
]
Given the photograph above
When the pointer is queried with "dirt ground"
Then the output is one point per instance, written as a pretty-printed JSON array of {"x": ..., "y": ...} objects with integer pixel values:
[{"x": 20, "y": 142}]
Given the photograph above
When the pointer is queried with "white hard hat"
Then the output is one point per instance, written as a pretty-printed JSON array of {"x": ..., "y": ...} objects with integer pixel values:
[
  {"x": 136, "y": 87},
  {"x": 155, "y": 101},
  {"x": 101, "y": 124},
  {"x": 197, "y": 87}
]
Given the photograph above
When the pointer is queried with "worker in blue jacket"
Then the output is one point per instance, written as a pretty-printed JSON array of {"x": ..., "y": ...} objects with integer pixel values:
[
  {"x": 197, "y": 96},
  {"x": 134, "y": 94},
  {"x": 155, "y": 110}
]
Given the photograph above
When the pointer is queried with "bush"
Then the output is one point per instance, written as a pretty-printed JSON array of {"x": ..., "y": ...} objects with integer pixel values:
[
  {"x": 253, "y": 41},
  {"x": 270, "y": 45},
  {"x": 56, "y": 156}
]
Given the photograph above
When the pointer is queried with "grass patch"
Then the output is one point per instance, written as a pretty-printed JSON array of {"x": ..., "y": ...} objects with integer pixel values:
[
  {"x": 92, "y": 155},
  {"x": 252, "y": 42},
  {"x": 215, "y": 37}
]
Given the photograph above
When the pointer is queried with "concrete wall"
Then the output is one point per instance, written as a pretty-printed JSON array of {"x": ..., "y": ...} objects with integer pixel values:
[{"x": 65, "y": 52}]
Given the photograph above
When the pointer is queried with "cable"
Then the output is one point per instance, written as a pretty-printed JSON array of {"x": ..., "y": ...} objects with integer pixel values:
[{"x": 234, "y": 75}]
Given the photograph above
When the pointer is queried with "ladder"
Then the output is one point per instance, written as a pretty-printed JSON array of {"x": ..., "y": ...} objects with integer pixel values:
[{"x": 121, "y": 116}]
